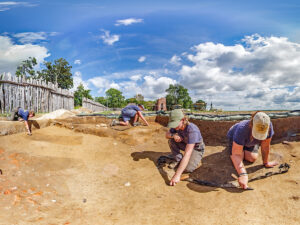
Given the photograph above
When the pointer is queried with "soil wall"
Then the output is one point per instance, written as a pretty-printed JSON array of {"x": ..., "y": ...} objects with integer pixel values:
[{"x": 214, "y": 132}]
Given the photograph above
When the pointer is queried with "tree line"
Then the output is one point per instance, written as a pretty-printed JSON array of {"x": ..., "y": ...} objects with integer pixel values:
[{"x": 59, "y": 73}]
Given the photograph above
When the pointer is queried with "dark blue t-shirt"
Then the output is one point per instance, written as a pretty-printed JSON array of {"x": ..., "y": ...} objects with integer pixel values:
[
  {"x": 241, "y": 134},
  {"x": 129, "y": 112},
  {"x": 23, "y": 114},
  {"x": 191, "y": 134}
]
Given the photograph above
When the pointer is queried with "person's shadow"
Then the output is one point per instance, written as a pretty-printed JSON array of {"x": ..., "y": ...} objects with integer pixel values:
[
  {"x": 33, "y": 123},
  {"x": 215, "y": 168}
]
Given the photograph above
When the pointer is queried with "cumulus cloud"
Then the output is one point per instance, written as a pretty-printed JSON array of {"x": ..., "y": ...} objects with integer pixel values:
[
  {"x": 77, "y": 62},
  {"x": 108, "y": 38},
  {"x": 154, "y": 88},
  {"x": 129, "y": 21},
  {"x": 77, "y": 80},
  {"x": 142, "y": 59},
  {"x": 11, "y": 55},
  {"x": 175, "y": 60},
  {"x": 253, "y": 72},
  {"x": 103, "y": 84}
]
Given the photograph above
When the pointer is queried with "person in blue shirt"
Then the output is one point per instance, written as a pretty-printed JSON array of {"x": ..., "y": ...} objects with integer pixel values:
[
  {"x": 184, "y": 135},
  {"x": 245, "y": 138},
  {"x": 22, "y": 115},
  {"x": 131, "y": 111}
]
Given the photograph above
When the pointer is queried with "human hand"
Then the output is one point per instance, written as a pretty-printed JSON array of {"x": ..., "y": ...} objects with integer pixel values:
[
  {"x": 243, "y": 181},
  {"x": 175, "y": 179},
  {"x": 270, "y": 164},
  {"x": 177, "y": 138}
]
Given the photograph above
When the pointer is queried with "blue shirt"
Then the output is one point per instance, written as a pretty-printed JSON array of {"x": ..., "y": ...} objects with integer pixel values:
[
  {"x": 191, "y": 134},
  {"x": 241, "y": 134},
  {"x": 129, "y": 112},
  {"x": 23, "y": 114}
]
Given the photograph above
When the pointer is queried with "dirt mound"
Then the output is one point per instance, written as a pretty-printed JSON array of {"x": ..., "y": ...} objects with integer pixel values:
[{"x": 58, "y": 114}]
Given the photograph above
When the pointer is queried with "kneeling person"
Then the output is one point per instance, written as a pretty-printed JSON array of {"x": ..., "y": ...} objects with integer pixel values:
[
  {"x": 22, "y": 115},
  {"x": 185, "y": 136},
  {"x": 131, "y": 111}
]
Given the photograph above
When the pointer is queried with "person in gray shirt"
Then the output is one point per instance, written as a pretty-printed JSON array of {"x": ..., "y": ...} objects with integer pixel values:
[{"x": 184, "y": 136}]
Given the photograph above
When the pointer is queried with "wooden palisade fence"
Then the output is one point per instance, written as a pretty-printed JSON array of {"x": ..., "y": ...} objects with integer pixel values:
[
  {"x": 94, "y": 106},
  {"x": 32, "y": 94}
]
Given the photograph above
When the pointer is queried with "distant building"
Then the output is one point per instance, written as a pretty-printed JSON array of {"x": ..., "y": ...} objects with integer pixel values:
[{"x": 161, "y": 104}]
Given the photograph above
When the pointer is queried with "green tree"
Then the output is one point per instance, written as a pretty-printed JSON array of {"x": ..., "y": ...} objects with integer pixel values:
[
  {"x": 131, "y": 100},
  {"x": 201, "y": 105},
  {"x": 101, "y": 100},
  {"x": 178, "y": 95},
  {"x": 25, "y": 69},
  {"x": 80, "y": 93},
  {"x": 58, "y": 73},
  {"x": 115, "y": 98}
]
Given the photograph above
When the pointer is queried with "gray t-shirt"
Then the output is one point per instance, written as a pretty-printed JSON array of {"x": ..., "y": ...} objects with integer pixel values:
[{"x": 191, "y": 134}]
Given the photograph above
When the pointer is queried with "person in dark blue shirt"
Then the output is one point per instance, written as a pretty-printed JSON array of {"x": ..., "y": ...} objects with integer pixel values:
[
  {"x": 130, "y": 111},
  {"x": 245, "y": 138},
  {"x": 22, "y": 115}
]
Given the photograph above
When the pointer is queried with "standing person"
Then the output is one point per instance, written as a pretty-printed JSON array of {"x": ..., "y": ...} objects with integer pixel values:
[
  {"x": 245, "y": 138},
  {"x": 22, "y": 115},
  {"x": 131, "y": 111},
  {"x": 184, "y": 136}
]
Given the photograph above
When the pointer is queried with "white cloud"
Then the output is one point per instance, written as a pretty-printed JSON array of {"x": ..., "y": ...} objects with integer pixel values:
[
  {"x": 128, "y": 21},
  {"x": 136, "y": 77},
  {"x": 103, "y": 84},
  {"x": 11, "y": 55},
  {"x": 4, "y": 6},
  {"x": 77, "y": 62},
  {"x": 108, "y": 38},
  {"x": 154, "y": 88},
  {"x": 142, "y": 59},
  {"x": 31, "y": 37},
  {"x": 77, "y": 80},
  {"x": 248, "y": 74},
  {"x": 175, "y": 60}
]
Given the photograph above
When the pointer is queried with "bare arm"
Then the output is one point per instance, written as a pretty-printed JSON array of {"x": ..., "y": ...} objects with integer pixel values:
[
  {"x": 142, "y": 117},
  {"x": 265, "y": 151},
  {"x": 183, "y": 164},
  {"x": 237, "y": 160},
  {"x": 27, "y": 127}
]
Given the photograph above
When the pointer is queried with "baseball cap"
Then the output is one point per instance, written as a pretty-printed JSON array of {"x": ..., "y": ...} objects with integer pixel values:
[
  {"x": 261, "y": 124},
  {"x": 141, "y": 106},
  {"x": 174, "y": 119}
]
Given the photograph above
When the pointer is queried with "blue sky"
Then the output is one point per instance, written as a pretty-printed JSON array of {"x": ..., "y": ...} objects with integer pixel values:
[{"x": 237, "y": 54}]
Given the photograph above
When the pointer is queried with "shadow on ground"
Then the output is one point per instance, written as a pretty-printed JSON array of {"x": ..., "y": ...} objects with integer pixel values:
[{"x": 216, "y": 168}]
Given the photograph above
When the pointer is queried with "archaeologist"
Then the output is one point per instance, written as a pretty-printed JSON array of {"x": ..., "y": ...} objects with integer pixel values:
[
  {"x": 22, "y": 115},
  {"x": 245, "y": 138},
  {"x": 184, "y": 136},
  {"x": 131, "y": 111}
]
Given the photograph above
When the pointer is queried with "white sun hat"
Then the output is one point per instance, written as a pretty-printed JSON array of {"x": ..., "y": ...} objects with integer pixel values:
[{"x": 261, "y": 124}]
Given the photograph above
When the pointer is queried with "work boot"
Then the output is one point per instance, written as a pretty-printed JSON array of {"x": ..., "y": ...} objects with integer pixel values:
[{"x": 115, "y": 122}]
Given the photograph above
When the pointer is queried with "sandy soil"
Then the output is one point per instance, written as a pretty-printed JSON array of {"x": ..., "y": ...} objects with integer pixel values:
[{"x": 58, "y": 176}]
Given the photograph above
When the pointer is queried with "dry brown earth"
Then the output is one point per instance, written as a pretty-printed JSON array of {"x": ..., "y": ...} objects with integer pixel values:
[{"x": 60, "y": 176}]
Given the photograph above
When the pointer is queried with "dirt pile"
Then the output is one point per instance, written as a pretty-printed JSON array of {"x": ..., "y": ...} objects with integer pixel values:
[{"x": 58, "y": 114}]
